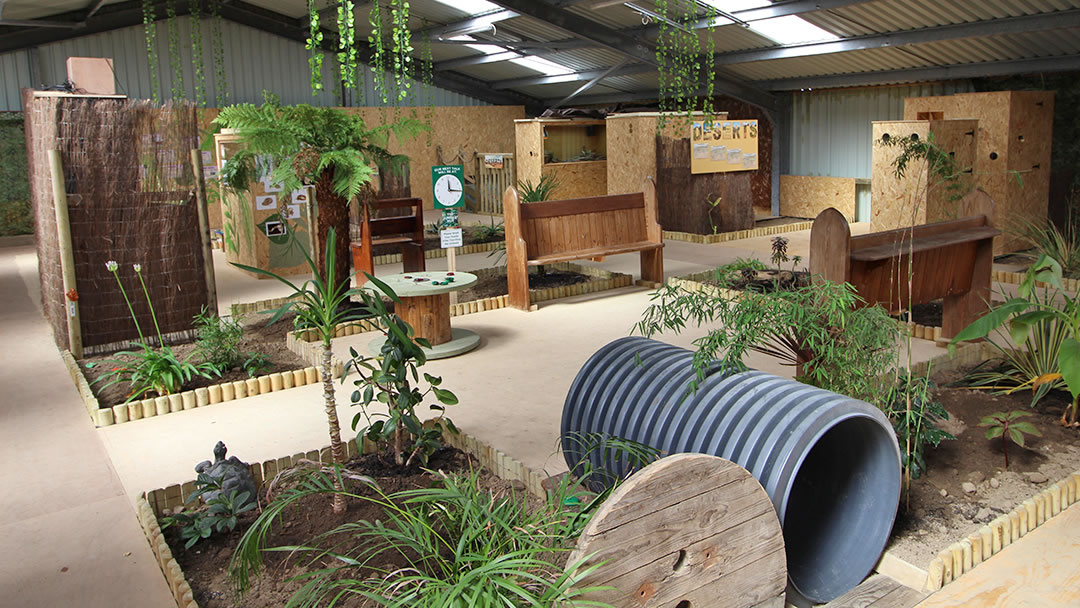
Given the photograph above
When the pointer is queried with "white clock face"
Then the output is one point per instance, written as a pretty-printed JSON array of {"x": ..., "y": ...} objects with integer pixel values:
[{"x": 448, "y": 190}]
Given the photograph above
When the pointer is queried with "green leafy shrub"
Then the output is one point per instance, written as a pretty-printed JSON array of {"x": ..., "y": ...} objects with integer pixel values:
[
  {"x": 255, "y": 364},
  {"x": 915, "y": 415},
  {"x": 221, "y": 513},
  {"x": 1049, "y": 240},
  {"x": 218, "y": 340},
  {"x": 821, "y": 329},
  {"x": 1006, "y": 426}
]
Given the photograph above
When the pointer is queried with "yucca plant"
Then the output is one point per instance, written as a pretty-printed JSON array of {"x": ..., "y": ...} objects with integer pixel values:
[
  {"x": 333, "y": 150},
  {"x": 1047, "y": 239},
  {"x": 542, "y": 191}
]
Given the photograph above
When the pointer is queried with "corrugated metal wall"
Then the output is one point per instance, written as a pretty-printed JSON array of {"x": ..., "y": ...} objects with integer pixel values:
[
  {"x": 254, "y": 61},
  {"x": 830, "y": 131}
]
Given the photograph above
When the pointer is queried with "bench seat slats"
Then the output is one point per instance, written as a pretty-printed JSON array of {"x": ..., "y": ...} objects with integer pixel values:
[
  {"x": 592, "y": 204},
  {"x": 594, "y": 252},
  {"x": 891, "y": 250}
]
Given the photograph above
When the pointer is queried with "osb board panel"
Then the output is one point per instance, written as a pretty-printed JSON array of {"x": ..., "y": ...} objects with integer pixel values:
[
  {"x": 807, "y": 195},
  {"x": 683, "y": 198},
  {"x": 457, "y": 129},
  {"x": 760, "y": 181},
  {"x": 528, "y": 151},
  {"x": 896, "y": 202},
  {"x": 564, "y": 142},
  {"x": 578, "y": 180},
  {"x": 631, "y": 152},
  {"x": 959, "y": 139}
]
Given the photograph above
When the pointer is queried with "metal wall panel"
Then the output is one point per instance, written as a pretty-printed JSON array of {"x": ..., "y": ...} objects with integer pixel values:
[
  {"x": 254, "y": 61},
  {"x": 830, "y": 131}
]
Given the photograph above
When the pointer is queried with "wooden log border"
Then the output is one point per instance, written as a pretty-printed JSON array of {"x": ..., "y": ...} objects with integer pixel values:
[
  {"x": 200, "y": 397},
  {"x": 151, "y": 505},
  {"x": 738, "y": 235},
  {"x": 1015, "y": 278}
]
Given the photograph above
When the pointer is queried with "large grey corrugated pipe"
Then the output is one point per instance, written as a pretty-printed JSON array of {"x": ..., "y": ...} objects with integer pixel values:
[{"x": 830, "y": 463}]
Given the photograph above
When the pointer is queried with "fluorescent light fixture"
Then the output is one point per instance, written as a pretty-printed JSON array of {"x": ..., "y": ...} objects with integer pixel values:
[
  {"x": 472, "y": 7},
  {"x": 539, "y": 64}
]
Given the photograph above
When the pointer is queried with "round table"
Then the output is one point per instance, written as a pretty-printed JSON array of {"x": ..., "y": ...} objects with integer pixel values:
[{"x": 425, "y": 305}]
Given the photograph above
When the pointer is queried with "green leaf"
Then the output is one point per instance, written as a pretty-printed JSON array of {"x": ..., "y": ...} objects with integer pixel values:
[
  {"x": 1016, "y": 436},
  {"x": 1069, "y": 363},
  {"x": 982, "y": 326},
  {"x": 445, "y": 396},
  {"x": 1027, "y": 427},
  {"x": 995, "y": 432}
]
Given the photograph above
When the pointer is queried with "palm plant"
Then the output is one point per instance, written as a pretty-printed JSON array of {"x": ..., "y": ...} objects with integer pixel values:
[
  {"x": 332, "y": 150},
  {"x": 321, "y": 305},
  {"x": 542, "y": 191}
]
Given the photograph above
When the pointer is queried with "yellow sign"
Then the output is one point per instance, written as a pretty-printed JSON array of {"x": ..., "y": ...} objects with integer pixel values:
[{"x": 723, "y": 145}]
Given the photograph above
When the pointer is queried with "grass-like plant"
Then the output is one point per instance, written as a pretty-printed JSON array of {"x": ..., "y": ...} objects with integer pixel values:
[
  {"x": 1008, "y": 426},
  {"x": 821, "y": 329},
  {"x": 916, "y": 426},
  {"x": 321, "y": 304},
  {"x": 1047, "y": 239},
  {"x": 218, "y": 340},
  {"x": 542, "y": 191},
  {"x": 490, "y": 232},
  {"x": 462, "y": 547},
  {"x": 152, "y": 371}
]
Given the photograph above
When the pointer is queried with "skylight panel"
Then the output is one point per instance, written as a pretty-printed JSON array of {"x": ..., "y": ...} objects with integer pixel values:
[
  {"x": 539, "y": 64},
  {"x": 791, "y": 30},
  {"x": 473, "y": 7}
]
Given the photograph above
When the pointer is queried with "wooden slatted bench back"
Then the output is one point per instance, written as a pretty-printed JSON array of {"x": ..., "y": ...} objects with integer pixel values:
[
  {"x": 582, "y": 228},
  {"x": 405, "y": 230},
  {"x": 949, "y": 260}
]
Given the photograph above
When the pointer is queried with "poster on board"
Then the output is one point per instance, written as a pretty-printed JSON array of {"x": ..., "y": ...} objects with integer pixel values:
[{"x": 723, "y": 145}]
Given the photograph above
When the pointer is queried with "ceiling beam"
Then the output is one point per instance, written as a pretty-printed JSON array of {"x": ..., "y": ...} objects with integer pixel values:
[
  {"x": 1067, "y": 63},
  {"x": 108, "y": 17},
  {"x": 777, "y": 9},
  {"x": 631, "y": 46},
  {"x": 461, "y": 62},
  {"x": 465, "y": 26},
  {"x": 617, "y": 70},
  {"x": 1007, "y": 25},
  {"x": 588, "y": 85}
]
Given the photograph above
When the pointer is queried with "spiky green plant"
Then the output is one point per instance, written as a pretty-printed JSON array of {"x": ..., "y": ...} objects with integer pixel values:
[
  {"x": 333, "y": 150},
  {"x": 1047, "y": 239},
  {"x": 542, "y": 191}
]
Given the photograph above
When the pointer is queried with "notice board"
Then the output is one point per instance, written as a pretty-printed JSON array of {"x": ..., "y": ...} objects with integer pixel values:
[{"x": 723, "y": 145}]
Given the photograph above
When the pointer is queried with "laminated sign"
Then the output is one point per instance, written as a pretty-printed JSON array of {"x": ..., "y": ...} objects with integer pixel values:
[{"x": 723, "y": 145}]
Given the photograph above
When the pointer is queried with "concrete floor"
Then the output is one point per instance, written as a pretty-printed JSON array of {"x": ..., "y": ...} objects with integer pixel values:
[{"x": 74, "y": 511}]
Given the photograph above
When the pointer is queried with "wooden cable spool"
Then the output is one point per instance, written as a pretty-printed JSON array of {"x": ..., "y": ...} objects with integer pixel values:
[{"x": 687, "y": 531}]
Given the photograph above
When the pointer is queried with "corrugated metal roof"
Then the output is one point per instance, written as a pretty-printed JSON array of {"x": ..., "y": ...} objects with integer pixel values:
[{"x": 898, "y": 15}]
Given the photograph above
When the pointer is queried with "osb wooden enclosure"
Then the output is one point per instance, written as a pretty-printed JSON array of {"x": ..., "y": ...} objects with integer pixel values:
[
  {"x": 131, "y": 196},
  {"x": 1012, "y": 150},
  {"x": 809, "y": 195}
]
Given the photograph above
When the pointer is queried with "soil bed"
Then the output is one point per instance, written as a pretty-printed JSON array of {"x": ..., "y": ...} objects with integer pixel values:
[
  {"x": 762, "y": 281},
  {"x": 259, "y": 337},
  {"x": 940, "y": 511},
  {"x": 470, "y": 235},
  {"x": 495, "y": 285},
  {"x": 205, "y": 565}
]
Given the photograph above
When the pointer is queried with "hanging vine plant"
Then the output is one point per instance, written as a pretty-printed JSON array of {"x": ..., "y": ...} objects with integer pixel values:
[
  {"x": 378, "y": 52},
  {"x": 401, "y": 51},
  {"x": 175, "y": 59},
  {"x": 314, "y": 46},
  {"x": 427, "y": 78},
  {"x": 684, "y": 69},
  {"x": 346, "y": 20},
  {"x": 221, "y": 81},
  {"x": 150, "y": 30},
  {"x": 196, "y": 53}
]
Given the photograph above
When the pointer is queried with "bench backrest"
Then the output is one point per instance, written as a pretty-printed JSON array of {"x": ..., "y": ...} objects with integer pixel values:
[
  {"x": 553, "y": 227},
  {"x": 411, "y": 223}
]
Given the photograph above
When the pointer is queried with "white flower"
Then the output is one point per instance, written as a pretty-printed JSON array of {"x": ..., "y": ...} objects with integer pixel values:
[
  {"x": 137, "y": 267},
  {"x": 112, "y": 265}
]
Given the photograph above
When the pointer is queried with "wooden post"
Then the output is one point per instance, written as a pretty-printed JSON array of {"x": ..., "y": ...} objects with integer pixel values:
[
  {"x": 830, "y": 243},
  {"x": 67, "y": 260},
  {"x": 204, "y": 230},
  {"x": 451, "y": 266}
]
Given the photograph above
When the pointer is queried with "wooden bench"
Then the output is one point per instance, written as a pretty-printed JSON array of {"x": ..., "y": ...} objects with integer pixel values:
[
  {"x": 951, "y": 260},
  {"x": 577, "y": 229},
  {"x": 407, "y": 231}
]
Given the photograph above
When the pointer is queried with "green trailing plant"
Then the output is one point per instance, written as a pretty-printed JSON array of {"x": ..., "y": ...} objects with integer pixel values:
[
  {"x": 218, "y": 340},
  {"x": 197, "y": 52},
  {"x": 333, "y": 150},
  {"x": 1063, "y": 246},
  {"x": 1009, "y": 427},
  {"x": 322, "y": 304},
  {"x": 255, "y": 364},
  {"x": 221, "y": 513},
  {"x": 462, "y": 546},
  {"x": 390, "y": 379},
  {"x": 379, "y": 57},
  {"x": 152, "y": 371},
  {"x": 822, "y": 330},
  {"x": 401, "y": 49},
  {"x": 427, "y": 79},
  {"x": 1025, "y": 311},
  {"x": 685, "y": 68},
  {"x": 347, "y": 54},
  {"x": 150, "y": 32},
  {"x": 176, "y": 59},
  {"x": 916, "y": 426},
  {"x": 313, "y": 44},
  {"x": 221, "y": 77}
]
